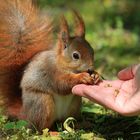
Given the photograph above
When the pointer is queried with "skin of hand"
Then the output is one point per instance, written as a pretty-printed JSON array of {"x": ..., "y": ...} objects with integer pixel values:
[{"x": 121, "y": 95}]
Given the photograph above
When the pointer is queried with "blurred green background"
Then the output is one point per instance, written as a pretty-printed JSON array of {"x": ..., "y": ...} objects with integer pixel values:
[{"x": 112, "y": 28}]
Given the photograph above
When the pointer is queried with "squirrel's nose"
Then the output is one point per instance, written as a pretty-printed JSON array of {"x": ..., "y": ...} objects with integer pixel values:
[{"x": 90, "y": 71}]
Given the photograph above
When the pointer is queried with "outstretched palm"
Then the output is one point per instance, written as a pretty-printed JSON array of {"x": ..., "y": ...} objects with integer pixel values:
[{"x": 119, "y": 95}]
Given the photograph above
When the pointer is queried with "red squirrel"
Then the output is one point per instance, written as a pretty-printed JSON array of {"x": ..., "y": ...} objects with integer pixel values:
[{"x": 37, "y": 72}]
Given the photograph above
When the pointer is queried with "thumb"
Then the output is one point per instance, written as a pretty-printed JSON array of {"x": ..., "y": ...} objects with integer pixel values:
[
  {"x": 128, "y": 73},
  {"x": 79, "y": 89}
]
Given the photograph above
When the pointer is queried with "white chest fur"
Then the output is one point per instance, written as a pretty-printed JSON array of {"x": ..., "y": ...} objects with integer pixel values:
[{"x": 62, "y": 105}]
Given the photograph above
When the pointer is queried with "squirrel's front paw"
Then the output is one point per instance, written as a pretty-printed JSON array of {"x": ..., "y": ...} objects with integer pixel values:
[
  {"x": 85, "y": 78},
  {"x": 96, "y": 78}
]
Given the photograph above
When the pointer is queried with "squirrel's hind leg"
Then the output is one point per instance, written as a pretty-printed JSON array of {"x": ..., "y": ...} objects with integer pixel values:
[{"x": 38, "y": 109}]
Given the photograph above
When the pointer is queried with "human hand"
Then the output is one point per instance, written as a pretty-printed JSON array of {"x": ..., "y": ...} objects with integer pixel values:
[{"x": 122, "y": 95}]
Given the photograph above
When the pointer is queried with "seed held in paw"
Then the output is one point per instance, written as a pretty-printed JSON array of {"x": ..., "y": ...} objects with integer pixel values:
[{"x": 96, "y": 77}]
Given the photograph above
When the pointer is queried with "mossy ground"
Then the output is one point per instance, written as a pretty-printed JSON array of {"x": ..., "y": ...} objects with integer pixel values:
[{"x": 112, "y": 28}]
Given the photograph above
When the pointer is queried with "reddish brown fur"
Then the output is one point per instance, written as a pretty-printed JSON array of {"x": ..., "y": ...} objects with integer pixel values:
[
  {"x": 63, "y": 35},
  {"x": 23, "y": 32},
  {"x": 80, "y": 26}
]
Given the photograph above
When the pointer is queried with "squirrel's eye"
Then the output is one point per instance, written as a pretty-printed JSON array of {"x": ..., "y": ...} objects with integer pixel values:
[{"x": 76, "y": 55}]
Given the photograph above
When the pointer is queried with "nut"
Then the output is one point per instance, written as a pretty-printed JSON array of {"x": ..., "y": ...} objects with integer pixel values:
[{"x": 116, "y": 92}]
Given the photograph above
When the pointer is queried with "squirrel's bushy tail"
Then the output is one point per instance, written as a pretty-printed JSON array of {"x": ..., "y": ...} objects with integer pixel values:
[{"x": 23, "y": 32}]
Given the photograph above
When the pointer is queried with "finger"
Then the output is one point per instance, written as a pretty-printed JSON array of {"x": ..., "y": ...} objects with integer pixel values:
[
  {"x": 128, "y": 73},
  {"x": 80, "y": 89}
]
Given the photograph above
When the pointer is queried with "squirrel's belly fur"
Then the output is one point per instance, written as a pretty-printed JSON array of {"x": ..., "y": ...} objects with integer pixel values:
[
  {"x": 62, "y": 105},
  {"x": 65, "y": 105}
]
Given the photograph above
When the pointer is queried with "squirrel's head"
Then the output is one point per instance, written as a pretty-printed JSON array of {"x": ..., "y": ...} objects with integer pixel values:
[{"x": 75, "y": 53}]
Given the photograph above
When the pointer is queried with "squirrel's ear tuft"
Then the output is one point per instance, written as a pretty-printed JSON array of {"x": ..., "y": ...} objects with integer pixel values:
[
  {"x": 64, "y": 30},
  {"x": 80, "y": 26}
]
